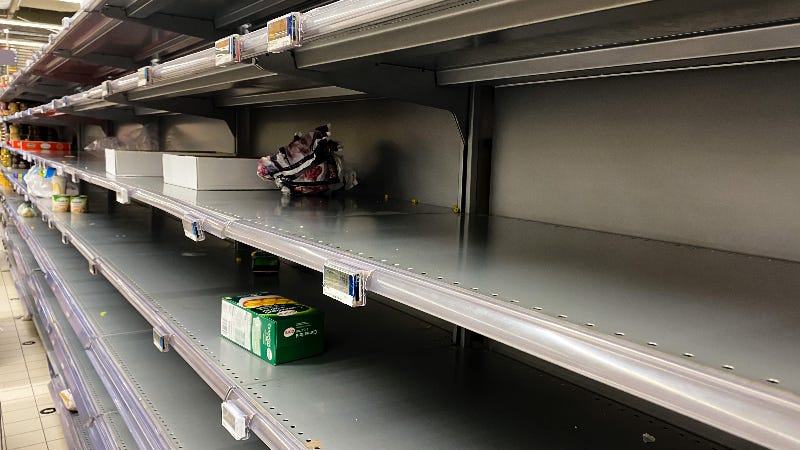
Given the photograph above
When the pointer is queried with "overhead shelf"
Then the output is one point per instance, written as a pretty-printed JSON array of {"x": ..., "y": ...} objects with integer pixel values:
[
  {"x": 409, "y": 387},
  {"x": 631, "y": 313},
  {"x": 114, "y": 336}
]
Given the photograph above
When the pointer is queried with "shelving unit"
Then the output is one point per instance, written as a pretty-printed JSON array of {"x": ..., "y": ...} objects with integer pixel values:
[
  {"x": 368, "y": 371},
  {"x": 112, "y": 333},
  {"x": 96, "y": 424},
  {"x": 670, "y": 324}
]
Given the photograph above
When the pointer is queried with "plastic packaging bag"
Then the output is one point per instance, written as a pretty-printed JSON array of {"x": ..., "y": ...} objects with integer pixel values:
[
  {"x": 310, "y": 164},
  {"x": 144, "y": 138},
  {"x": 66, "y": 398},
  {"x": 39, "y": 181},
  {"x": 26, "y": 210}
]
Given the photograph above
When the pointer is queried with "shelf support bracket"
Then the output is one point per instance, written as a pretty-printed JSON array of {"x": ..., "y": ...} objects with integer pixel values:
[
  {"x": 99, "y": 59},
  {"x": 203, "y": 107},
  {"x": 178, "y": 24},
  {"x": 142, "y": 9},
  {"x": 410, "y": 84}
]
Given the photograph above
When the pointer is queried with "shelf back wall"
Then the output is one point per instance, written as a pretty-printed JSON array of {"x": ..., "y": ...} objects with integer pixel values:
[
  {"x": 705, "y": 157},
  {"x": 401, "y": 149},
  {"x": 184, "y": 133}
]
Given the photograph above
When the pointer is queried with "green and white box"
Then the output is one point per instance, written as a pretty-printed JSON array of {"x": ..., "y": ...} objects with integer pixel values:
[{"x": 273, "y": 327}]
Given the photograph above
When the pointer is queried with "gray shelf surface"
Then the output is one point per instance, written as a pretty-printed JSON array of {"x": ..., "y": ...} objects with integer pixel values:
[
  {"x": 110, "y": 325},
  {"x": 643, "y": 316},
  {"x": 96, "y": 424},
  {"x": 403, "y": 388}
]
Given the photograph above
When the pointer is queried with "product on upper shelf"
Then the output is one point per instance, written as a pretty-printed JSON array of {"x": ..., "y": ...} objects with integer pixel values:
[
  {"x": 310, "y": 164},
  {"x": 275, "y": 328},
  {"x": 39, "y": 181}
]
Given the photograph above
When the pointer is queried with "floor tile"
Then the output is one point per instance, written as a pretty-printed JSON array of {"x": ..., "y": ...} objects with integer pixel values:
[
  {"x": 42, "y": 364},
  {"x": 39, "y": 372},
  {"x": 16, "y": 405},
  {"x": 40, "y": 379},
  {"x": 21, "y": 414},
  {"x": 6, "y": 385},
  {"x": 25, "y": 439},
  {"x": 58, "y": 444},
  {"x": 14, "y": 376},
  {"x": 40, "y": 446},
  {"x": 53, "y": 433},
  {"x": 31, "y": 357},
  {"x": 11, "y": 355},
  {"x": 15, "y": 394},
  {"x": 50, "y": 420},
  {"x": 41, "y": 389},
  {"x": 22, "y": 426}
]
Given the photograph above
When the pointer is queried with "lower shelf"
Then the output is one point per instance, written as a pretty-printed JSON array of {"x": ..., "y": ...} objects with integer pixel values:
[
  {"x": 386, "y": 380},
  {"x": 158, "y": 397},
  {"x": 96, "y": 425}
]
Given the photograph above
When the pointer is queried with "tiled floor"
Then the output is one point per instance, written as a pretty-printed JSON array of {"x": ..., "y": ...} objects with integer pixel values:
[{"x": 23, "y": 378}]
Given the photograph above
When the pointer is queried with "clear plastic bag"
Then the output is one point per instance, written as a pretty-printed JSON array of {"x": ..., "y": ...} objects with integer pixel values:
[
  {"x": 38, "y": 185},
  {"x": 143, "y": 138},
  {"x": 26, "y": 210}
]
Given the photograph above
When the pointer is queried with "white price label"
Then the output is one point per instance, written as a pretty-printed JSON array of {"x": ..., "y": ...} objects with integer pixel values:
[
  {"x": 192, "y": 228},
  {"x": 161, "y": 341},
  {"x": 344, "y": 283},
  {"x": 235, "y": 421},
  {"x": 284, "y": 33},
  {"x": 143, "y": 76}
]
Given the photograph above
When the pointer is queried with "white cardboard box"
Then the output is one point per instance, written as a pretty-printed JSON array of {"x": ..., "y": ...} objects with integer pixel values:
[
  {"x": 126, "y": 163},
  {"x": 208, "y": 173}
]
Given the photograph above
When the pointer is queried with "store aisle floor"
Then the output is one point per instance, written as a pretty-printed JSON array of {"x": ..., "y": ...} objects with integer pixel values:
[{"x": 23, "y": 377}]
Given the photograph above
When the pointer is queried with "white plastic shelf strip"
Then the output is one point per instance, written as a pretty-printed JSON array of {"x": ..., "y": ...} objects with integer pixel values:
[
  {"x": 184, "y": 66},
  {"x": 618, "y": 350},
  {"x": 125, "y": 83}
]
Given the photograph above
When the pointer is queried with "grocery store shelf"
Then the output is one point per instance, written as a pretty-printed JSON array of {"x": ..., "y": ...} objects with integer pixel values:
[
  {"x": 115, "y": 335},
  {"x": 372, "y": 379},
  {"x": 96, "y": 425},
  {"x": 631, "y": 313}
]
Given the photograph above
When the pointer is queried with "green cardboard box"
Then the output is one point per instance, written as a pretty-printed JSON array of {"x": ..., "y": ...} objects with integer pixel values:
[{"x": 273, "y": 327}]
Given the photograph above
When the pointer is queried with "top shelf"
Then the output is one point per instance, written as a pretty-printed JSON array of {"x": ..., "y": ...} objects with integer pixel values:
[
  {"x": 446, "y": 43},
  {"x": 669, "y": 323}
]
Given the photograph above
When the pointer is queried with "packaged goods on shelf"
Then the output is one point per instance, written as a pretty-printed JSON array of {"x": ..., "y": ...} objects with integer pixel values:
[
  {"x": 264, "y": 263},
  {"x": 61, "y": 203},
  {"x": 68, "y": 400},
  {"x": 40, "y": 181},
  {"x": 274, "y": 328},
  {"x": 134, "y": 163},
  {"x": 78, "y": 204},
  {"x": 45, "y": 147},
  {"x": 310, "y": 164},
  {"x": 26, "y": 210},
  {"x": 205, "y": 173}
]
